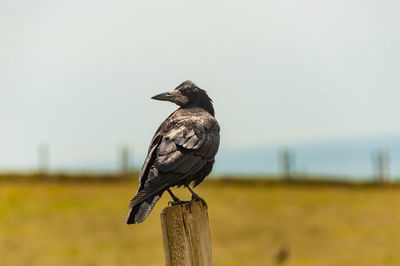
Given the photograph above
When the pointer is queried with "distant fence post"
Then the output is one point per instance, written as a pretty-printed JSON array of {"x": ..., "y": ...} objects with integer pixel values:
[
  {"x": 186, "y": 235},
  {"x": 382, "y": 166},
  {"x": 43, "y": 158},
  {"x": 286, "y": 159},
  {"x": 125, "y": 159}
]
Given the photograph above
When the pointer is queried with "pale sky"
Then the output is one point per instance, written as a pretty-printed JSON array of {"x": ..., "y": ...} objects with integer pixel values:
[{"x": 79, "y": 75}]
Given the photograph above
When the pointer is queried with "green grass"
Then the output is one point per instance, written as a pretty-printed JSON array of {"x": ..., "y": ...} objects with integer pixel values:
[{"x": 83, "y": 224}]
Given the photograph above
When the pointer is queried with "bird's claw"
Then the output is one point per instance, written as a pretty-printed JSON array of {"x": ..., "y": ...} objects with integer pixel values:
[
  {"x": 197, "y": 198},
  {"x": 178, "y": 202}
]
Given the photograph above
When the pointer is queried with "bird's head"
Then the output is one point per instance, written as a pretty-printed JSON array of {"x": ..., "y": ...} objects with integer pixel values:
[{"x": 187, "y": 94}]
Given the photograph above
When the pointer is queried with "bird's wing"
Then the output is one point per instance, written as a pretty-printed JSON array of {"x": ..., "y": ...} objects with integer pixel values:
[
  {"x": 181, "y": 149},
  {"x": 151, "y": 155},
  {"x": 186, "y": 147}
]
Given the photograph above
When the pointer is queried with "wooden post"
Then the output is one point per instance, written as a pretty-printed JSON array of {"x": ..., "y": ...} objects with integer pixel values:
[
  {"x": 186, "y": 235},
  {"x": 124, "y": 160},
  {"x": 43, "y": 158},
  {"x": 286, "y": 161},
  {"x": 382, "y": 161}
]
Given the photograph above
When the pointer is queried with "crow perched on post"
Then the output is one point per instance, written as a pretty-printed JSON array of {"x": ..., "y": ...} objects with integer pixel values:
[{"x": 181, "y": 152}]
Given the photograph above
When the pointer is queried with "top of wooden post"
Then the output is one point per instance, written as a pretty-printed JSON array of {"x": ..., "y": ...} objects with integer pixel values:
[{"x": 186, "y": 235}]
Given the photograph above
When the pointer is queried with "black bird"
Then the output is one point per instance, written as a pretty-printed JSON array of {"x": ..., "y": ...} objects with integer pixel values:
[{"x": 181, "y": 152}]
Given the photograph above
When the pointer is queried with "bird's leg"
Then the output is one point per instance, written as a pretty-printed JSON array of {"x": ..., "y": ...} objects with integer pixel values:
[
  {"x": 175, "y": 198},
  {"x": 176, "y": 201},
  {"x": 195, "y": 196}
]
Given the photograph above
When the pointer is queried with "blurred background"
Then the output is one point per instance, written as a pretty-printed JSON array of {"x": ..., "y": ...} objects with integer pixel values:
[{"x": 306, "y": 94}]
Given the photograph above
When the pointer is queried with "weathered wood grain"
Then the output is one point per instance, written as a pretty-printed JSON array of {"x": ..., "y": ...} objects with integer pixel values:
[{"x": 186, "y": 235}]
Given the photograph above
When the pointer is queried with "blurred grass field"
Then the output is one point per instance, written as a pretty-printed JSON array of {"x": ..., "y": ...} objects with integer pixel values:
[{"x": 45, "y": 223}]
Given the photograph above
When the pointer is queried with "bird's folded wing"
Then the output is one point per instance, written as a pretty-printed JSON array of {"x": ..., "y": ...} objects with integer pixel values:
[
  {"x": 185, "y": 150},
  {"x": 151, "y": 155}
]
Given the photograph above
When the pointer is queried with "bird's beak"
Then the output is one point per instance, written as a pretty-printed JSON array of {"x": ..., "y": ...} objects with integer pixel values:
[{"x": 167, "y": 96}]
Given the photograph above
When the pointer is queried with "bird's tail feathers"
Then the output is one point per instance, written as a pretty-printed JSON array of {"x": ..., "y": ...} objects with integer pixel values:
[
  {"x": 139, "y": 211},
  {"x": 144, "y": 201}
]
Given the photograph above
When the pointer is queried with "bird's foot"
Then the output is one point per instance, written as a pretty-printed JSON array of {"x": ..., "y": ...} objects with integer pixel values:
[
  {"x": 178, "y": 202},
  {"x": 196, "y": 197}
]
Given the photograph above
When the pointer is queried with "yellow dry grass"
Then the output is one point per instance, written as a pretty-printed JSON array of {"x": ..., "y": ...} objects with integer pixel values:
[{"x": 83, "y": 224}]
